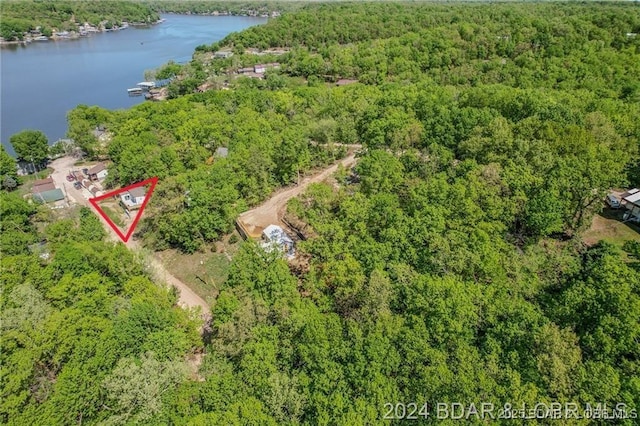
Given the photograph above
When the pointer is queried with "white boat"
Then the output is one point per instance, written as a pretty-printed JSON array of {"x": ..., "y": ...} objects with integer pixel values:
[
  {"x": 146, "y": 85},
  {"x": 135, "y": 91}
]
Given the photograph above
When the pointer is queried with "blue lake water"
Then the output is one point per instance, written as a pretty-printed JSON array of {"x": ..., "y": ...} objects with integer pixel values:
[{"x": 41, "y": 82}]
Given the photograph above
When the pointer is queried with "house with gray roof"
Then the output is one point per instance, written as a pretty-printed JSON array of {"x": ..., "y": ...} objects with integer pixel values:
[{"x": 133, "y": 198}]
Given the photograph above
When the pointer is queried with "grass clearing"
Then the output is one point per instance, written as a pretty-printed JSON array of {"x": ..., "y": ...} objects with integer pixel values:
[
  {"x": 204, "y": 272},
  {"x": 114, "y": 216},
  {"x": 608, "y": 226}
]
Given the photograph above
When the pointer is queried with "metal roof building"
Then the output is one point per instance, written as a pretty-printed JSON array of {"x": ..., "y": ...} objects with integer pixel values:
[
  {"x": 49, "y": 196},
  {"x": 274, "y": 236}
]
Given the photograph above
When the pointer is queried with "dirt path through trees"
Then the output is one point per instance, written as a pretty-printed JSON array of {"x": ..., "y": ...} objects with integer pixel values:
[
  {"x": 255, "y": 220},
  {"x": 272, "y": 210}
]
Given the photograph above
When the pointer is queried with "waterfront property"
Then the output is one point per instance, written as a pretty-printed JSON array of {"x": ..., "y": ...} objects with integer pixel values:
[
  {"x": 97, "y": 172},
  {"x": 49, "y": 196},
  {"x": 115, "y": 60},
  {"x": 45, "y": 191},
  {"x": 146, "y": 85},
  {"x": 36, "y": 189}
]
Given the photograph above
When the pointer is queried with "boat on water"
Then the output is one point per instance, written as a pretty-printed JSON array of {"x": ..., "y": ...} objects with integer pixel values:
[
  {"x": 134, "y": 91},
  {"x": 146, "y": 85}
]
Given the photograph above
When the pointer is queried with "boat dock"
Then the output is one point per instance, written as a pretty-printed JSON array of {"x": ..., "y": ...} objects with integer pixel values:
[{"x": 148, "y": 87}]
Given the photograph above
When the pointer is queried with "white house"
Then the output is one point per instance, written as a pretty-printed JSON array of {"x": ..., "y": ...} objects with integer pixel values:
[
  {"x": 274, "y": 238},
  {"x": 262, "y": 68},
  {"x": 99, "y": 171},
  {"x": 133, "y": 198}
]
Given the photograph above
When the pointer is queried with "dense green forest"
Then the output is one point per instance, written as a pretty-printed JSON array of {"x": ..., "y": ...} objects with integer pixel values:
[
  {"x": 21, "y": 16},
  {"x": 447, "y": 266},
  {"x": 85, "y": 333},
  {"x": 233, "y": 7}
]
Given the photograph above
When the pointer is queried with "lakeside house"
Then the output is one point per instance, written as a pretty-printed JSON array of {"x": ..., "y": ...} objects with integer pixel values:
[
  {"x": 50, "y": 196},
  {"x": 45, "y": 191},
  {"x": 97, "y": 172},
  {"x": 262, "y": 68},
  {"x": 36, "y": 189}
]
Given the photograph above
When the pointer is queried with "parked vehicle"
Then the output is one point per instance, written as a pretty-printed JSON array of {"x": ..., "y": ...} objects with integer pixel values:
[
  {"x": 70, "y": 178},
  {"x": 77, "y": 185},
  {"x": 613, "y": 201}
]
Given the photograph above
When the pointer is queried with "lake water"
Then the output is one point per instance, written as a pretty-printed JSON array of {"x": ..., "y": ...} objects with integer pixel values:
[{"x": 42, "y": 81}]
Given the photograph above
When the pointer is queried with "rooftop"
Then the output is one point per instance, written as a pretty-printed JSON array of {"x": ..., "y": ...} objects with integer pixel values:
[
  {"x": 277, "y": 235},
  {"x": 97, "y": 169},
  {"x": 633, "y": 198},
  {"x": 43, "y": 187},
  {"x": 138, "y": 192},
  {"x": 49, "y": 196},
  {"x": 41, "y": 181}
]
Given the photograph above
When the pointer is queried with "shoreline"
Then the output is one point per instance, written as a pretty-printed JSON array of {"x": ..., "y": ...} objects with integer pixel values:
[
  {"x": 90, "y": 30},
  {"x": 74, "y": 35}
]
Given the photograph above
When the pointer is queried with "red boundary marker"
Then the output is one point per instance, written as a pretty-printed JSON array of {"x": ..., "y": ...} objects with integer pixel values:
[{"x": 94, "y": 202}]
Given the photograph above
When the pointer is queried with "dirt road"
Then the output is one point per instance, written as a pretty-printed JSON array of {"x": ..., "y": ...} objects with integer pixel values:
[
  {"x": 272, "y": 210},
  {"x": 188, "y": 298},
  {"x": 254, "y": 221}
]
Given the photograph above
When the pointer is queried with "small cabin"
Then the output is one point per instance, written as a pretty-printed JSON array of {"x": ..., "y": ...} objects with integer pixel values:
[{"x": 133, "y": 198}]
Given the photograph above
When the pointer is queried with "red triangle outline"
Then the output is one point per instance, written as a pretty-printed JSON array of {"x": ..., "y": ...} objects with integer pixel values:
[{"x": 94, "y": 202}]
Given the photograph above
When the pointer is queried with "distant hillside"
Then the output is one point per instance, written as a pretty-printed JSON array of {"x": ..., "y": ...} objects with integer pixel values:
[{"x": 20, "y": 17}]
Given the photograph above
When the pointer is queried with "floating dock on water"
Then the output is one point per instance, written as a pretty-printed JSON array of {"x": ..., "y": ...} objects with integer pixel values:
[{"x": 146, "y": 85}]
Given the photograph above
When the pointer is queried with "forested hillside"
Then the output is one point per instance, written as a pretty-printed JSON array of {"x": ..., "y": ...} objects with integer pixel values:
[
  {"x": 21, "y": 16},
  {"x": 86, "y": 336},
  {"x": 447, "y": 266}
]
